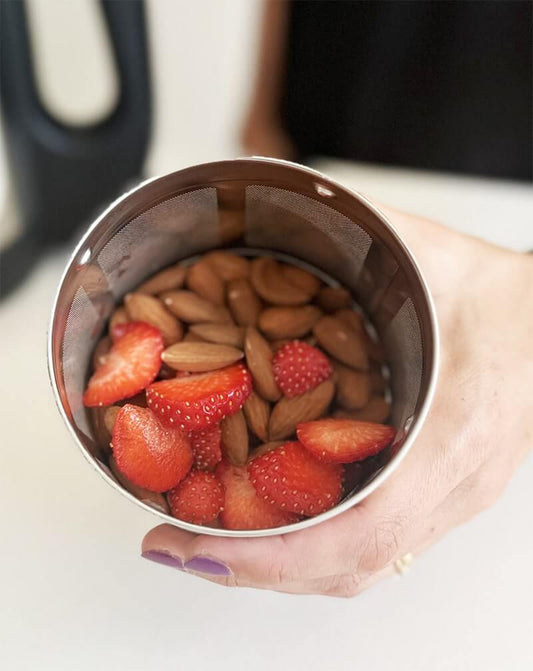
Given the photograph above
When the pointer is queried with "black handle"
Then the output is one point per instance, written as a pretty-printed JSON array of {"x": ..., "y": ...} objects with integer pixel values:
[{"x": 61, "y": 174}]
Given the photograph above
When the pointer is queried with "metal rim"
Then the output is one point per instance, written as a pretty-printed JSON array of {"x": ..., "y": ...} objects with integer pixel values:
[{"x": 391, "y": 466}]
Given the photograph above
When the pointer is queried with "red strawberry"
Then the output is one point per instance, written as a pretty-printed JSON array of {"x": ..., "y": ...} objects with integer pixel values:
[
  {"x": 344, "y": 440},
  {"x": 243, "y": 509},
  {"x": 291, "y": 478},
  {"x": 198, "y": 499},
  {"x": 197, "y": 401},
  {"x": 149, "y": 454},
  {"x": 132, "y": 363},
  {"x": 299, "y": 367},
  {"x": 206, "y": 447}
]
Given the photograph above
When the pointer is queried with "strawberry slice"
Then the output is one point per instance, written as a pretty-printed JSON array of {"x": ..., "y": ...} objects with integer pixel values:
[
  {"x": 132, "y": 363},
  {"x": 291, "y": 478},
  {"x": 149, "y": 454},
  {"x": 198, "y": 401},
  {"x": 243, "y": 509},
  {"x": 344, "y": 440},
  {"x": 206, "y": 447},
  {"x": 299, "y": 367},
  {"x": 198, "y": 499}
]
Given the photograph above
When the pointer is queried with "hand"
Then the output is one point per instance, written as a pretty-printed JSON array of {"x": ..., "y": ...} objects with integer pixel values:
[{"x": 479, "y": 429}]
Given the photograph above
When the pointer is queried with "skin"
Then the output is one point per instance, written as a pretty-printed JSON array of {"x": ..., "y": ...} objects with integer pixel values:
[{"x": 478, "y": 432}]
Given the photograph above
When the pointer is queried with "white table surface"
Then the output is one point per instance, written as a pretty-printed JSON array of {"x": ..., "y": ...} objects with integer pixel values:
[{"x": 75, "y": 594}]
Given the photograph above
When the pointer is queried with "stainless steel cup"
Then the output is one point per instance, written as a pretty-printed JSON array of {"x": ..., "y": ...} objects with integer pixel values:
[{"x": 251, "y": 203}]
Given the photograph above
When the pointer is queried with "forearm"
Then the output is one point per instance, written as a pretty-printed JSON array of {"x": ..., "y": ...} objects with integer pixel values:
[{"x": 270, "y": 60}]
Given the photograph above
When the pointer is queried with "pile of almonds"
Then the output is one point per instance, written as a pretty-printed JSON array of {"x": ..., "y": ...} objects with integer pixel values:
[{"x": 226, "y": 309}]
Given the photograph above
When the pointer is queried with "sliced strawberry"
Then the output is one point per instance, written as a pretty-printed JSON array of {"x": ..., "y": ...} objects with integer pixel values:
[
  {"x": 132, "y": 363},
  {"x": 198, "y": 401},
  {"x": 291, "y": 478},
  {"x": 344, "y": 440},
  {"x": 149, "y": 454},
  {"x": 198, "y": 499},
  {"x": 206, "y": 447},
  {"x": 243, "y": 509},
  {"x": 299, "y": 367}
]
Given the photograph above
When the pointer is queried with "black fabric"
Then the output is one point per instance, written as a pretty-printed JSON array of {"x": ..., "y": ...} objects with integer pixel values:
[{"x": 428, "y": 84}]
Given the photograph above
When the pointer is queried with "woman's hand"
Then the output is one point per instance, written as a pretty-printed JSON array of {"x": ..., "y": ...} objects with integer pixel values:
[{"x": 479, "y": 430}]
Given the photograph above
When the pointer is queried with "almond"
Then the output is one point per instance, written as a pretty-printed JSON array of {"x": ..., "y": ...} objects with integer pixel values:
[
  {"x": 228, "y": 266},
  {"x": 353, "y": 387},
  {"x": 193, "y": 308},
  {"x": 333, "y": 298},
  {"x": 110, "y": 415},
  {"x": 119, "y": 316},
  {"x": 257, "y": 413},
  {"x": 352, "y": 319},
  {"x": 101, "y": 435},
  {"x": 166, "y": 372},
  {"x": 101, "y": 351},
  {"x": 301, "y": 278},
  {"x": 376, "y": 410},
  {"x": 147, "y": 308},
  {"x": 200, "y": 357},
  {"x": 152, "y": 499},
  {"x": 375, "y": 350},
  {"x": 291, "y": 322},
  {"x": 275, "y": 345},
  {"x": 341, "y": 342},
  {"x": 225, "y": 334},
  {"x": 288, "y": 412},
  {"x": 378, "y": 382},
  {"x": 190, "y": 336},
  {"x": 202, "y": 279},
  {"x": 272, "y": 286},
  {"x": 259, "y": 360},
  {"x": 243, "y": 302},
  {"x": 235, "y": 438},
  {"x": 166, "y": 280},
  {"x": 266, "y": 447}
]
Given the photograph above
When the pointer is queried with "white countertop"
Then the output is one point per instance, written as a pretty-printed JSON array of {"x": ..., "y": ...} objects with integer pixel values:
[{"x": 75, "y": 593}]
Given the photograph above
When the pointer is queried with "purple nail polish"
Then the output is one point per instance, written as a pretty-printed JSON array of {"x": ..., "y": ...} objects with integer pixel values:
[
  {"x": 202, "y": 564},
  {"x": 163, "y": 558}
]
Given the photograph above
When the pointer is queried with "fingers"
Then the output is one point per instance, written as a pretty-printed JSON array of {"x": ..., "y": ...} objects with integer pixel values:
[
  {"x": 171, "y": 546},
  {"x": 358, "y": 543}
]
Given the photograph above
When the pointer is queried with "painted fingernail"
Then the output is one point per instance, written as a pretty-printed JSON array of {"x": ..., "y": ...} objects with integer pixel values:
[
  {"x": 201, "y": 564},
  {"x": 163, "y": 558}
]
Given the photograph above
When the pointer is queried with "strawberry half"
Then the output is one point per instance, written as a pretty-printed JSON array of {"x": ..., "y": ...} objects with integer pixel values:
[
  {"x": 299, "y": 367},
  {"x": 198, "y": 499},
  {"x": 291, "y": 478},
  {"x": 206, "y": 447},
  {"x": 243, "y": 509},
  {"x": 344, "y": 440},
  {"x": 198, "y": 401},
  {"x": 150, "y": 455},
  {"x": 132, "y": 363}
]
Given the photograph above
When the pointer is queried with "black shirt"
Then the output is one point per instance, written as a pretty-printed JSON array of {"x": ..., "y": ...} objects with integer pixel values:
[{"x": 428, "y": 84}]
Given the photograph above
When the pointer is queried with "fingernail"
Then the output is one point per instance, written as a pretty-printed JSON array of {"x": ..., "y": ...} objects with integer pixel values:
[
  {"x": 163, "y": 558},
  {"x": 201, "y": 564}
]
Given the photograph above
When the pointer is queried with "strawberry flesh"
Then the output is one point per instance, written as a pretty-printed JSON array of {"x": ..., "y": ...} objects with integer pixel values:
[
  {"x": 149, "y": 454},
  {"x": 198, "y": 499},
  {"x": 206, "y": 447},
  {"x": 197, "y": 401},
  {"x": 132, "y": 363},
  {"x": 299, "y": 367},
  {"x": 291, "y": 478},
  {"x": 344, "y": 440},
  {"x": 243, "y": 508}
]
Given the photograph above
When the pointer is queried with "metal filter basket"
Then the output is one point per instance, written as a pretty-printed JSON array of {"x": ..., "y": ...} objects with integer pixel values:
[{"x": 248, "y": 203}]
